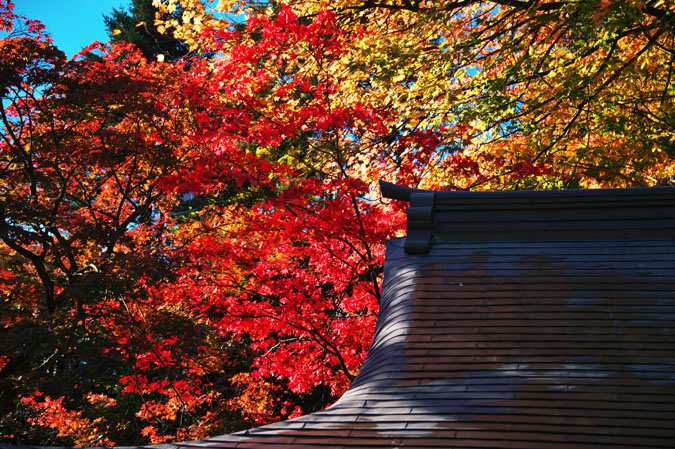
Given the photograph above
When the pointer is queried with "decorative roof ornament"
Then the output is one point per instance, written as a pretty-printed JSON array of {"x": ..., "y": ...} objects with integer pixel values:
[{"x": 420, "y": 214}]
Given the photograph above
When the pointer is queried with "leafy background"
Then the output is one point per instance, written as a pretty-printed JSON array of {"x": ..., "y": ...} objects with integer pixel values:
[{"x": 191, "y": 234}]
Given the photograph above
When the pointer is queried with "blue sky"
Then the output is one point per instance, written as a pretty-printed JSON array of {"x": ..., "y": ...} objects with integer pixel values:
[{"x": 72, "y": 24}]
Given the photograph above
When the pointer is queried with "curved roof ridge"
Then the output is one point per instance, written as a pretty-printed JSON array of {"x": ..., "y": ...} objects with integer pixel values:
[
  {"x": 399, "y": 192},
  {"x": 437, "y": 216}
]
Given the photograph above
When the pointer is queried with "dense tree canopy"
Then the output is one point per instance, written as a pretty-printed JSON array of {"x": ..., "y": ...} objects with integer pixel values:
[
  {"x": 194, "y": 246},
  {"x": 578, "y": 92}
]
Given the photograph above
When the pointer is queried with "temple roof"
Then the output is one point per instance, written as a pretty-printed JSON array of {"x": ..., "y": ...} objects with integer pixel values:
[{"x": 537, "y": 319}]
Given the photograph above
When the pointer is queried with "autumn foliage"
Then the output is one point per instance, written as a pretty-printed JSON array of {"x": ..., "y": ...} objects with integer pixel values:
[{"x": 193, "y": 247}]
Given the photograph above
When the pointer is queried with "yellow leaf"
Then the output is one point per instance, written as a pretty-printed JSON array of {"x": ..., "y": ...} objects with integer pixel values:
[
  {"x": 116, "y": 32},
  {"x": 398, "y": 78}
]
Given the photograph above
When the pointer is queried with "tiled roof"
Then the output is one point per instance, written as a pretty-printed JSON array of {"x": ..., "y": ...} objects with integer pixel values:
[{"x": 538, "y": 320}]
